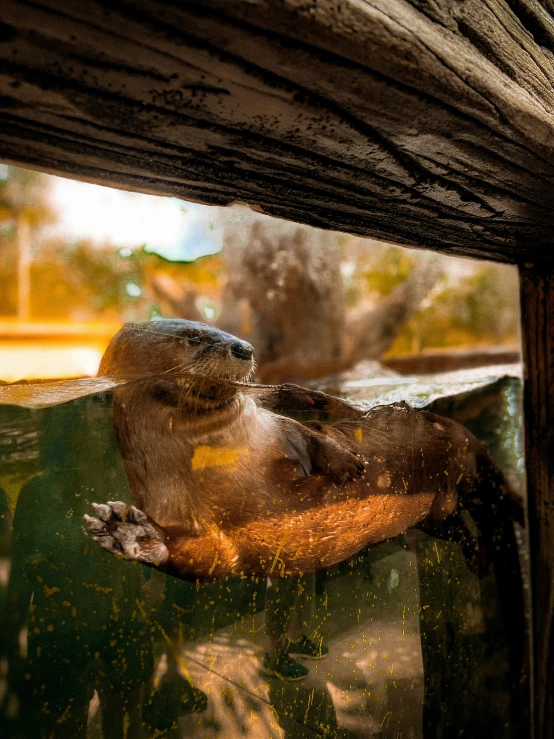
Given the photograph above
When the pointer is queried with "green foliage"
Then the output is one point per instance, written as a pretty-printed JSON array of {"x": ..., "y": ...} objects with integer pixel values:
[
  {"x": 24, "y": 192},
  {"x": 82, "y": 282},
  {"x": 480, "y": 308},
  {"x": 388, "y": 271},
  {"x": 372, "y": 269}
]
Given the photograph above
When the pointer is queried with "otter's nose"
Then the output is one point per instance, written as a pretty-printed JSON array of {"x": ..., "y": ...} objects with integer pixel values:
[{"x": 241, "y": 350}]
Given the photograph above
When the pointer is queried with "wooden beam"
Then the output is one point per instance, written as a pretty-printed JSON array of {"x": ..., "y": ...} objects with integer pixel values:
[
  {"x": 537, "y": 307},
  {"x": 424, "y": 123}
]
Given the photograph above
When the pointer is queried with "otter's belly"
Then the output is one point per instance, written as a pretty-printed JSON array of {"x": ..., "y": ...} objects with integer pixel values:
[
  {"x": 232, "y": 492},
  {"x": 240, "y": 489},
  {"x": 322, "y": 536},
  {"x": 252, "y": 486}
]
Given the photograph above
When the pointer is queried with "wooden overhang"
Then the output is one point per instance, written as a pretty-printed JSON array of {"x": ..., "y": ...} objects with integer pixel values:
[{"x": 428, "y": 123}]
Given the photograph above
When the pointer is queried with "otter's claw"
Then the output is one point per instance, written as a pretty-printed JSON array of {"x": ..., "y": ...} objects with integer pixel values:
[
  {"x": 354, "y": 468},
  {"x": 103, "y": 511},
  {"x": 127, "y": 532},
  {"x": 339, "y": 463},
  {"x": 347, "y": 467}
]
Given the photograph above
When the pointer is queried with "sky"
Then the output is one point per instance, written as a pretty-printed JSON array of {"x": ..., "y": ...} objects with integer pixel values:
[{"x": 168, "y": 226}]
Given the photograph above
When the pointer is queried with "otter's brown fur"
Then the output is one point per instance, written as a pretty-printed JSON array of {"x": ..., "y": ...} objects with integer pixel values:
[{"x": 237, "y": 488}]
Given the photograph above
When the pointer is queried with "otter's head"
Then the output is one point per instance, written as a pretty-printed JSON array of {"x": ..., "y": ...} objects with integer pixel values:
[{"x": 175, "y": 346}]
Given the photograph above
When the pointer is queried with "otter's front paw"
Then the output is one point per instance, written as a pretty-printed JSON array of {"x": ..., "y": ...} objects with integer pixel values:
[
  {"x": 127, "y": 532},
  {"x": 332, "y": 458},
  {"x": 340, "y": 464}
]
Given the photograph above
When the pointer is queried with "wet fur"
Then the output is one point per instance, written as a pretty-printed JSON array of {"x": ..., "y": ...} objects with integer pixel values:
[
  {"x": 199, "y": 453},
  {"x": 230, "y": 487},
  {"x": 238, "y": 488}
]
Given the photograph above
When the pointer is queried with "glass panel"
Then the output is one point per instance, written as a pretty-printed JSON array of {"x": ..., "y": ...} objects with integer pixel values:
[
  {"x": 98, "y": 632},
  {"x": 323, "y": 560}
]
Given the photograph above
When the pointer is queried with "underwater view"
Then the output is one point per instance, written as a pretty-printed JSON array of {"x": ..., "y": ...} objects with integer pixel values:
[{"x": 406, "y": 637}]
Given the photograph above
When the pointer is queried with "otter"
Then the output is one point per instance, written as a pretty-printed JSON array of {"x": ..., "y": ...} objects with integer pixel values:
[{"x": 225, "y": 486}]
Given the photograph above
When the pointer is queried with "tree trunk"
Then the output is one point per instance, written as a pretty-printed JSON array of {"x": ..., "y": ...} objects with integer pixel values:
[{"x": 23, "y": 243}]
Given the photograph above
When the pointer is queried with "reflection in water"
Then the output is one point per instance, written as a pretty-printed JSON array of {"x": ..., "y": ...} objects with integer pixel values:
[
  {"x": 370, "y": 682},
  {"x": 137, "y": 653},
  {"x": 84, "y": 632},
  {"x": 288, "y": 605}
]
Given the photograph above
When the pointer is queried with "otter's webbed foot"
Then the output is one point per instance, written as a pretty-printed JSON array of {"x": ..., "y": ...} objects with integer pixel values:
[{"x": 124, "y": 530}]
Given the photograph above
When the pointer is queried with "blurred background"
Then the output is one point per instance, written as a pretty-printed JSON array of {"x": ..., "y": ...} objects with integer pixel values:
[{"x": 78, "y": 260}]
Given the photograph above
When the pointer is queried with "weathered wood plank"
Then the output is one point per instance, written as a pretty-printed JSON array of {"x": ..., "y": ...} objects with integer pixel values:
[
  {"x": 537, "y": 307},
  {"x": 424, "y": 123}
]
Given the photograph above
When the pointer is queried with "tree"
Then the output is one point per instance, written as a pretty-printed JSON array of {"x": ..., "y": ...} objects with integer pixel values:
[{"x": 24, "y": 208}]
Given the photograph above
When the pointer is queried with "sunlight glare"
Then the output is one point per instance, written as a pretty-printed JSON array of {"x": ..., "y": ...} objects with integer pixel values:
[{"x": 168, "y": 226}]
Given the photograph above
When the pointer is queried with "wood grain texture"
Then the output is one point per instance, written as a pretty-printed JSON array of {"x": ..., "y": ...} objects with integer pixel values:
[
  {"x": 537, "y": 306},
  {"x": 427, "y": 123}
]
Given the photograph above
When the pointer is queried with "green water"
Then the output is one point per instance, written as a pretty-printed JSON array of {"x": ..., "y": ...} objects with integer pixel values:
[{"x": 93, "y": 646}]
